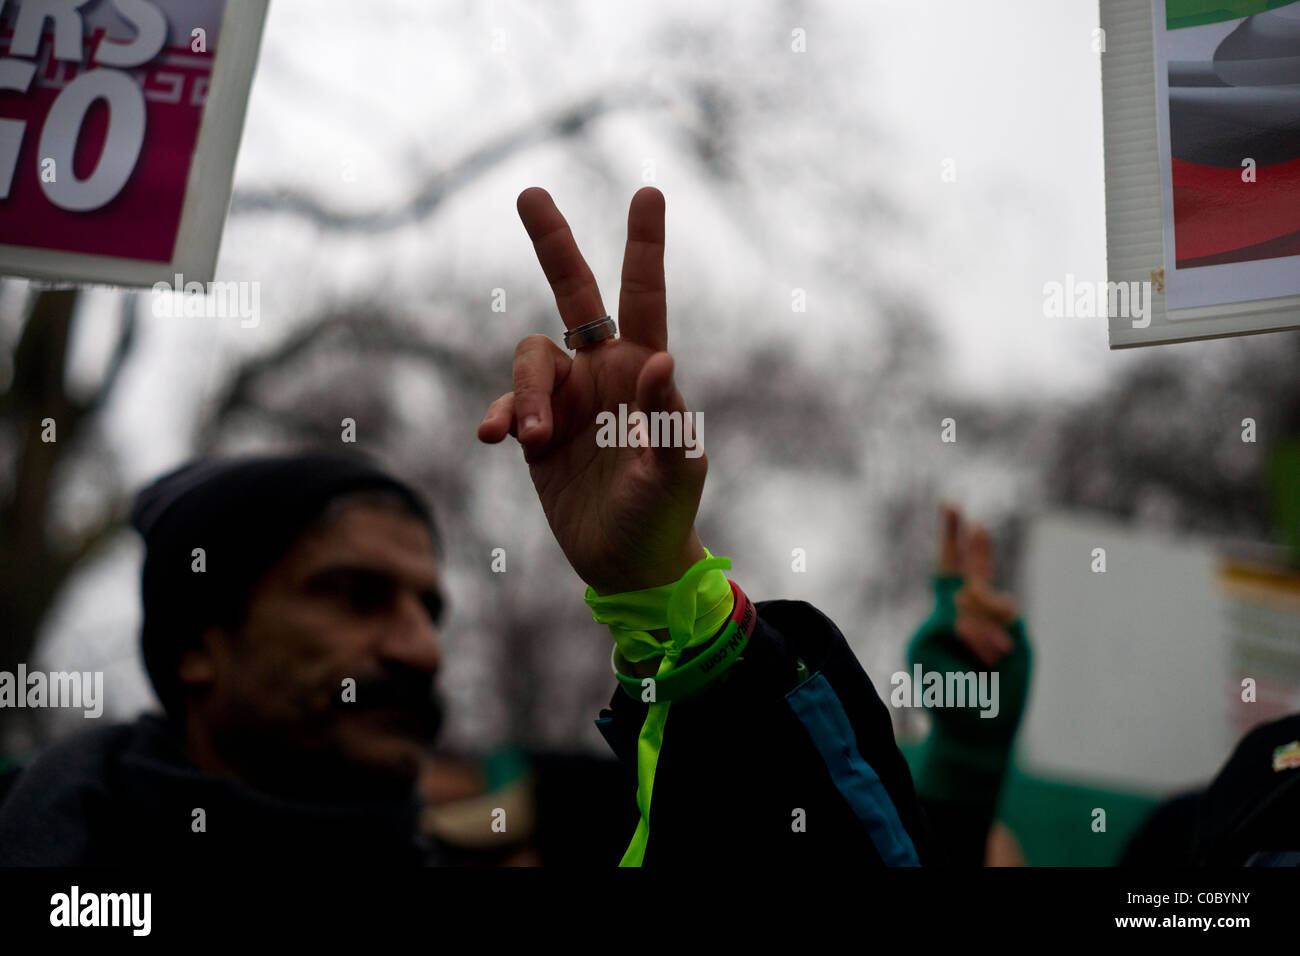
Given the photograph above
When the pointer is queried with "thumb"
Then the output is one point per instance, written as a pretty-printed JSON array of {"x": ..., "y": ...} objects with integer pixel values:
[{"x": 680, "y": 432}]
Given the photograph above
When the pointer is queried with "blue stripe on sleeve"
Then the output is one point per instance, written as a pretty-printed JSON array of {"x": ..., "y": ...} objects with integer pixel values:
[{"x": 819, "y": 710}]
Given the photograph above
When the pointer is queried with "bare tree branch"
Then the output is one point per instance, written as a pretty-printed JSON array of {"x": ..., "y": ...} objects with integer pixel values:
[
  {"x": 358, "y": 331},
  {"x": 444, "y": 183},
  {"x": 121, "y": 352}
]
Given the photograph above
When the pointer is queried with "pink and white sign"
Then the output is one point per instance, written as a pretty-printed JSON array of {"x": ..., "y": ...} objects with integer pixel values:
[{"x": 112, "y": 114}]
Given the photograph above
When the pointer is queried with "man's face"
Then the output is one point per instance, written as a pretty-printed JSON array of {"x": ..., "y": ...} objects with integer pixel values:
[{"x": 332, "y": 671}]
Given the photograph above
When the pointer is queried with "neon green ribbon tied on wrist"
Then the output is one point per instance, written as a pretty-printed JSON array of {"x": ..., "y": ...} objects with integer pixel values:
[{"x": 692, "y": 609}]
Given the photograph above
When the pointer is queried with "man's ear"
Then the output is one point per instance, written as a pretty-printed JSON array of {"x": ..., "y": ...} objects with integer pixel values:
[{"x": 197, "y": 667}]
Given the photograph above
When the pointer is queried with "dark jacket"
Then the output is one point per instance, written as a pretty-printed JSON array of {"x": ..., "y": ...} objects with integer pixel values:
[
  {"x": 738, "y": 762},
  {"x": 1250, "y": 813},
  {"x": 126, "y": 794}
]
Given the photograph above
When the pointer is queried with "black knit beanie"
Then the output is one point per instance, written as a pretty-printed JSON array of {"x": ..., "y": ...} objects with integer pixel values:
[{"x": 245, "y": 513}]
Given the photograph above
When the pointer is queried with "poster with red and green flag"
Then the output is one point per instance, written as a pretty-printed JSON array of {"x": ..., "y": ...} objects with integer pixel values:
[{"x": 1228, "y": 97}]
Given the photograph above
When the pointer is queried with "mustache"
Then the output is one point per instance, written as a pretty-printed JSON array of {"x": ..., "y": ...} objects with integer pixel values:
[{"x": 410, "y": 691}]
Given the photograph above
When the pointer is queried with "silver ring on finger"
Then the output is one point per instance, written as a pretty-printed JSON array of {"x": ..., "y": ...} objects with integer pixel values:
[{"x": 593, "y": 333}]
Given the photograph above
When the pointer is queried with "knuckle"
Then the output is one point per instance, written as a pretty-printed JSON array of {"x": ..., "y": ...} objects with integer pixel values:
[{"x": 530, "y": 345}]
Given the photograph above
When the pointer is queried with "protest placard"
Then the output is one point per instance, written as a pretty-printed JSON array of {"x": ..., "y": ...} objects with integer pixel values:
[
  {"x": 119, "y": 125},
  {"x": 1202, "y": 130}
]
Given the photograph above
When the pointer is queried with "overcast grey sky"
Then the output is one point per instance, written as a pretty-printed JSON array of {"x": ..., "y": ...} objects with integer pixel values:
[{"x": 1010, "y": 91}]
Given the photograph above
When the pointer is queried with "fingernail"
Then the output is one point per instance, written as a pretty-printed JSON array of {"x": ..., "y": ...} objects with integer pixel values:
[{"x": 531, "y": 422}]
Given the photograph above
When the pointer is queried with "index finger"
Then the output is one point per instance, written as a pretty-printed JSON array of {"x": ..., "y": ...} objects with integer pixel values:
[{"x": 570, "y": 277}]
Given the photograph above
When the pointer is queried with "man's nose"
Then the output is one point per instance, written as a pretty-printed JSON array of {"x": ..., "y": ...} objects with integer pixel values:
[{"x": 411, "y": 637}]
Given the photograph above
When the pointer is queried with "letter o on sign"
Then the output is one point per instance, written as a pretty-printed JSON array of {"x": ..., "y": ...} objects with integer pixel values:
[{"x": 126, "y": 120}]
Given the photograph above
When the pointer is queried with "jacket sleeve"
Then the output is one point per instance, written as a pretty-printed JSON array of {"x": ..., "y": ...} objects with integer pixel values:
[
  {"x": 966, "y": 756},
  {"x": 789, "y": 758}
]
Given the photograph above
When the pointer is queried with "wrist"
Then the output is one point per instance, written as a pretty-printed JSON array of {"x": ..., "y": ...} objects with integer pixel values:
[
  {"x": 653, "y": 576},
  {"x": 668, "y": 625}
]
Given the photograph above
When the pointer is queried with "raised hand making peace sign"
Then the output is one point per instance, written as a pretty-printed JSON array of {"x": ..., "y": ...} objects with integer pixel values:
[
  {"x": 624, "y": 516},
  {"x": 983, "y": 614}
]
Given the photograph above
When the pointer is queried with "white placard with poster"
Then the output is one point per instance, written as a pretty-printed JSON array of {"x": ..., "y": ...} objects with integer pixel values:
[{"x": 1202, "y": 126}]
